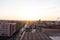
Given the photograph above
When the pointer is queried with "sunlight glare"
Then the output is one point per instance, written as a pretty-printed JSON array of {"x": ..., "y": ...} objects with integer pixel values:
[{"x": 30, "y": 13}]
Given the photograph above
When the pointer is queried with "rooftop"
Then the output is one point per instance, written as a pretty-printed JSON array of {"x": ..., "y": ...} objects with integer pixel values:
[{"x": 35, "y": 36}]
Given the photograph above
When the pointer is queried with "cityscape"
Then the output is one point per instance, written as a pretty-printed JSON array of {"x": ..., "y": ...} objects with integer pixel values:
[
  {"x": 29, "y": 19},
  {"x": 29, "y": 30}
]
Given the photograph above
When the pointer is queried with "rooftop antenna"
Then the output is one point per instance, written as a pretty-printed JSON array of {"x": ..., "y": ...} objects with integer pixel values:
[
  {"x": 57, "y": 21},
  {"x": 57, "y": 18}
]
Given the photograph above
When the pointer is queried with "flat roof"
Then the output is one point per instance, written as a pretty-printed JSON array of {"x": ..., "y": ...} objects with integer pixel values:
[{"x": 6, "y": 23}]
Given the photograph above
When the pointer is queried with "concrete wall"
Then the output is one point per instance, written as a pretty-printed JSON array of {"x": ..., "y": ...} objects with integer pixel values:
[{"x": 51, "y": 30}]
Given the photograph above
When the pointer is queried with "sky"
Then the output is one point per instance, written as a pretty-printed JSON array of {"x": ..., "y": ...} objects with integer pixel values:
[{"x": 30, "y": 9}]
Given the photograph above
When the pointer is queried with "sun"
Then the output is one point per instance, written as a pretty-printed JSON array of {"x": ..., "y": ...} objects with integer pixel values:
[
  {"x": 30, "y": 13},
  {"x": 29, "y": 17}
]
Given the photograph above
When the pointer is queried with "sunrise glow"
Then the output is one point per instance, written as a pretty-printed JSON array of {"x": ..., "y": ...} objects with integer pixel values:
[{"x": 29, "y": 9}]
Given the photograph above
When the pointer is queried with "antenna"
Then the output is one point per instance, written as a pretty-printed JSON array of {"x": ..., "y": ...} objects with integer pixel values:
[
  {"x": 57, "y": 21},
  {"x": 57, "y": 18}
]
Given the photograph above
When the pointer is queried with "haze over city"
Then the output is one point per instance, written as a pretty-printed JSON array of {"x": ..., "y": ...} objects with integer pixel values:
[
  {"x": 29, "y": 9},
  {"x": 29, "y": 19}
]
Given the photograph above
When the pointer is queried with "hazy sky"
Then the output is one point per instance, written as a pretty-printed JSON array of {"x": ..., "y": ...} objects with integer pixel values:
[{"x": 29, "y": 9}]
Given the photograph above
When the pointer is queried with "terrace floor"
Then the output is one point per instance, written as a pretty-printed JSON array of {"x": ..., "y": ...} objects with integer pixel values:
[
  {"x": 53, "y": 35},
  {"x": 35, "y": 36}
]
